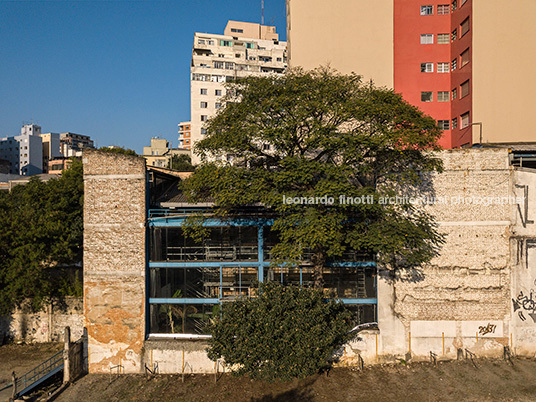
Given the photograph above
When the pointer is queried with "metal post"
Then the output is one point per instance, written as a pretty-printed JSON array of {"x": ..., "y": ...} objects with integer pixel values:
[
  {"x": 66, "y": 357},
  {"x": 14, "y": 381}
]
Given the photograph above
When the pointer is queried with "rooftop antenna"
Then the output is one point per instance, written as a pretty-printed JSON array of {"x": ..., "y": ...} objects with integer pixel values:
[{"x": 262, "y": 12}]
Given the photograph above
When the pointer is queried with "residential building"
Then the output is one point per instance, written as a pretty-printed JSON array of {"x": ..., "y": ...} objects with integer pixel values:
[
  {"x": 72, "y": 144},
  {"x": 464, "y": 62},
  {"x": 5, "y": 166},
  {"x": 51, "y": 148},
  {"x": 185, "y": 135},
  {"x": 159, "y": 153},
  {"x": 244, "y": 49},
  {"x": 24, "y": 152},
  {"x": 58, "y": 165}
]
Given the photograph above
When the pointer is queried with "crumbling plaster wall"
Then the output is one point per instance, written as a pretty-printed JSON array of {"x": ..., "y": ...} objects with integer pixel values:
[
  {"x": 45, "y": 325},
  {"x": 523, "y": 246},
  {"x": 114, "y": 260},
  {"x": 462, "y": 298}
]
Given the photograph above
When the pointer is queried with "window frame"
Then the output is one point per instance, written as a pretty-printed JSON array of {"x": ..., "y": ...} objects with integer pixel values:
[
  {"x": 427, "y": 10},
  {"x": 427, "y": 95},
  {"x": 427, "y": 39}
]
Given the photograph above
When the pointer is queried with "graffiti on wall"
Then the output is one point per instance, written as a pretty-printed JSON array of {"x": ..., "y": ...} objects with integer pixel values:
[
  {"x": 488, "y": 329},
  {"x": 525, "y": 305}
]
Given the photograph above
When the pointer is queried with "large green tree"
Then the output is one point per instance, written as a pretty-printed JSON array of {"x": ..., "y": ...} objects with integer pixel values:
[
  {"x": 321, "y": 134},
  {"x": 41, "y": 231}
]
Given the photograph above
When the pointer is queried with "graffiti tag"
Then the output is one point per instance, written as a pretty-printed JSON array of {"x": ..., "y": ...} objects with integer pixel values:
[
  {"x": 488, "y": 329},
  {"x": 525, "y": 303}
]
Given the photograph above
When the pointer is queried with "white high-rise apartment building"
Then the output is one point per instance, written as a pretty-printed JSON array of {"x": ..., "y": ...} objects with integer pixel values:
[
  {"x": 24, "y": 152},
  {"x": 244, "y": 49}
]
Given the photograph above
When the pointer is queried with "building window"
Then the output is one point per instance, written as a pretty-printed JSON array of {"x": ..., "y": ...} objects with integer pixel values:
[
  {"x": 454, "y": 64},
  {"x": 464, "y": 58},
  {"x": 454, "y": 34},
  {"x": 427, "y": 10},
  {"x": 229, "y": 66},
  {"x": 427, "y": 96},
  {"x": 442, "y": 67},
  {"x": 454, "y": 93},
  {"x": 465, "y": 120},
  {"x": 454, "y": 123},
  {"x": 443, "y": 124},
  {"x": 217, "y": 105},
  {"x": 210, "y": 42},
  {"x": 454, "y": 5},
  {"x": 249, "y": 45},
  {"x": 464, "y": 28},
  {"x": 443, "y": 96},
  {"x": 427, "y": 39},
  {"x": 204, "y": 117},
  {"x": 204, "y": 105},
  {"x": 218, "y": 64},
  {"x": 265, "y": 147},
  {"x": 443, "y": 9},
  {"x": 200, "y": 41},
  {"x": 204, "y": 91},
  {"x": 217, "y": 92},
  {"x": 443, "y": 38},
  {"x": 204, "y": 131},
  {"x": 427, "y": 67},
  {"x": 237, "y": 30},
  {"x": 464, "y": 89},
  {"x": 226, "y": 43}
]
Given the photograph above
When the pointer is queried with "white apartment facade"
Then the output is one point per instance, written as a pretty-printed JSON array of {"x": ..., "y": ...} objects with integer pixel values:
[
  {"x": 244, "y": 49},
  {"x": 24, "y": 152}
]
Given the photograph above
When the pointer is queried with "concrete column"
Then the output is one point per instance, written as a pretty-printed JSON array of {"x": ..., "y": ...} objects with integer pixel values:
[{"x": 66, "y": 355}]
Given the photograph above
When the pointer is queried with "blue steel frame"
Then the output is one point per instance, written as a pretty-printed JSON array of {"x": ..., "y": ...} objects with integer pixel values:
[{"x": 177, "y": 217}]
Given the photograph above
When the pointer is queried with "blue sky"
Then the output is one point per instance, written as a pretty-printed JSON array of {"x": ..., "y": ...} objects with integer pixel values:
[{"x": 115, "y": 70}]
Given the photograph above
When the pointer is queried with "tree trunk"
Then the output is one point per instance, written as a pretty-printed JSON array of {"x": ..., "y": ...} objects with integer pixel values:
[{"x": 318, "y": 259}]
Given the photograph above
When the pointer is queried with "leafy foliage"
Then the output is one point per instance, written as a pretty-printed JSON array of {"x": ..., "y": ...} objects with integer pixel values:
[
  {"x": 42, "y": 229},
  {"x": 119, "y": 150},
  {"x": 181, "y": 163},
  {"x": 320, "y": 134},
  {"x": 284, "y": 333}
]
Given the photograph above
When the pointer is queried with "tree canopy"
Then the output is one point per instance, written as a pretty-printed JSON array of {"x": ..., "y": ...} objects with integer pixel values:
[
  {"x": 181, "y": 163},
  {"x": 119, "y": 150},
  {"x": 42, "y": 229},
  {"x": 289, "y": 143}
]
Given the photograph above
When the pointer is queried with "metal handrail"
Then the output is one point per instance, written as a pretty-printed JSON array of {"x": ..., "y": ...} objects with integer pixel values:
[{"x": 39, "y": 371}]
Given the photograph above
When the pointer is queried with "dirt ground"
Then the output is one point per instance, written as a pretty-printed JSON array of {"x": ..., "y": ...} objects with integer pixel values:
[
  {"x": 24, "y": 357},
  {"x": 492, "y": 380}
]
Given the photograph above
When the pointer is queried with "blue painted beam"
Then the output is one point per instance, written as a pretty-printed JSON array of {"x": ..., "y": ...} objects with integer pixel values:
[
  {"x": 207, "y": 264},
  {"x": 159, "y": 300},
  {"x": 180, "y": 221},
  {"x": 199, "y": 264},
  {"x": 359, "y": 301}
]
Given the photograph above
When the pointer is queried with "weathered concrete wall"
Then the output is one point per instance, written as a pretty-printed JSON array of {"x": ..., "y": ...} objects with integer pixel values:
[
  {"x": 114, "y": 260},
  {"x": 178, "y": 355},
  {"x": 461, "y": 299},
  {"x": 523, "y": 242},
  {"x": 46, "y": 325}
]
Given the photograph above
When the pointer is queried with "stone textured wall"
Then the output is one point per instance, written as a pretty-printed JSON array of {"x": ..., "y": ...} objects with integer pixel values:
[
  {"x": 449, "y": 303},
  {"x": 523, "y": 242},
  {"x": 46, "y": 325},
  {"x": 114, "y": 259}
]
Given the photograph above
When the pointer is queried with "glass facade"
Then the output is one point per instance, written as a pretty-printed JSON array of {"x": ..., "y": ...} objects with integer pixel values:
[{"x": 189, "y": 279}]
